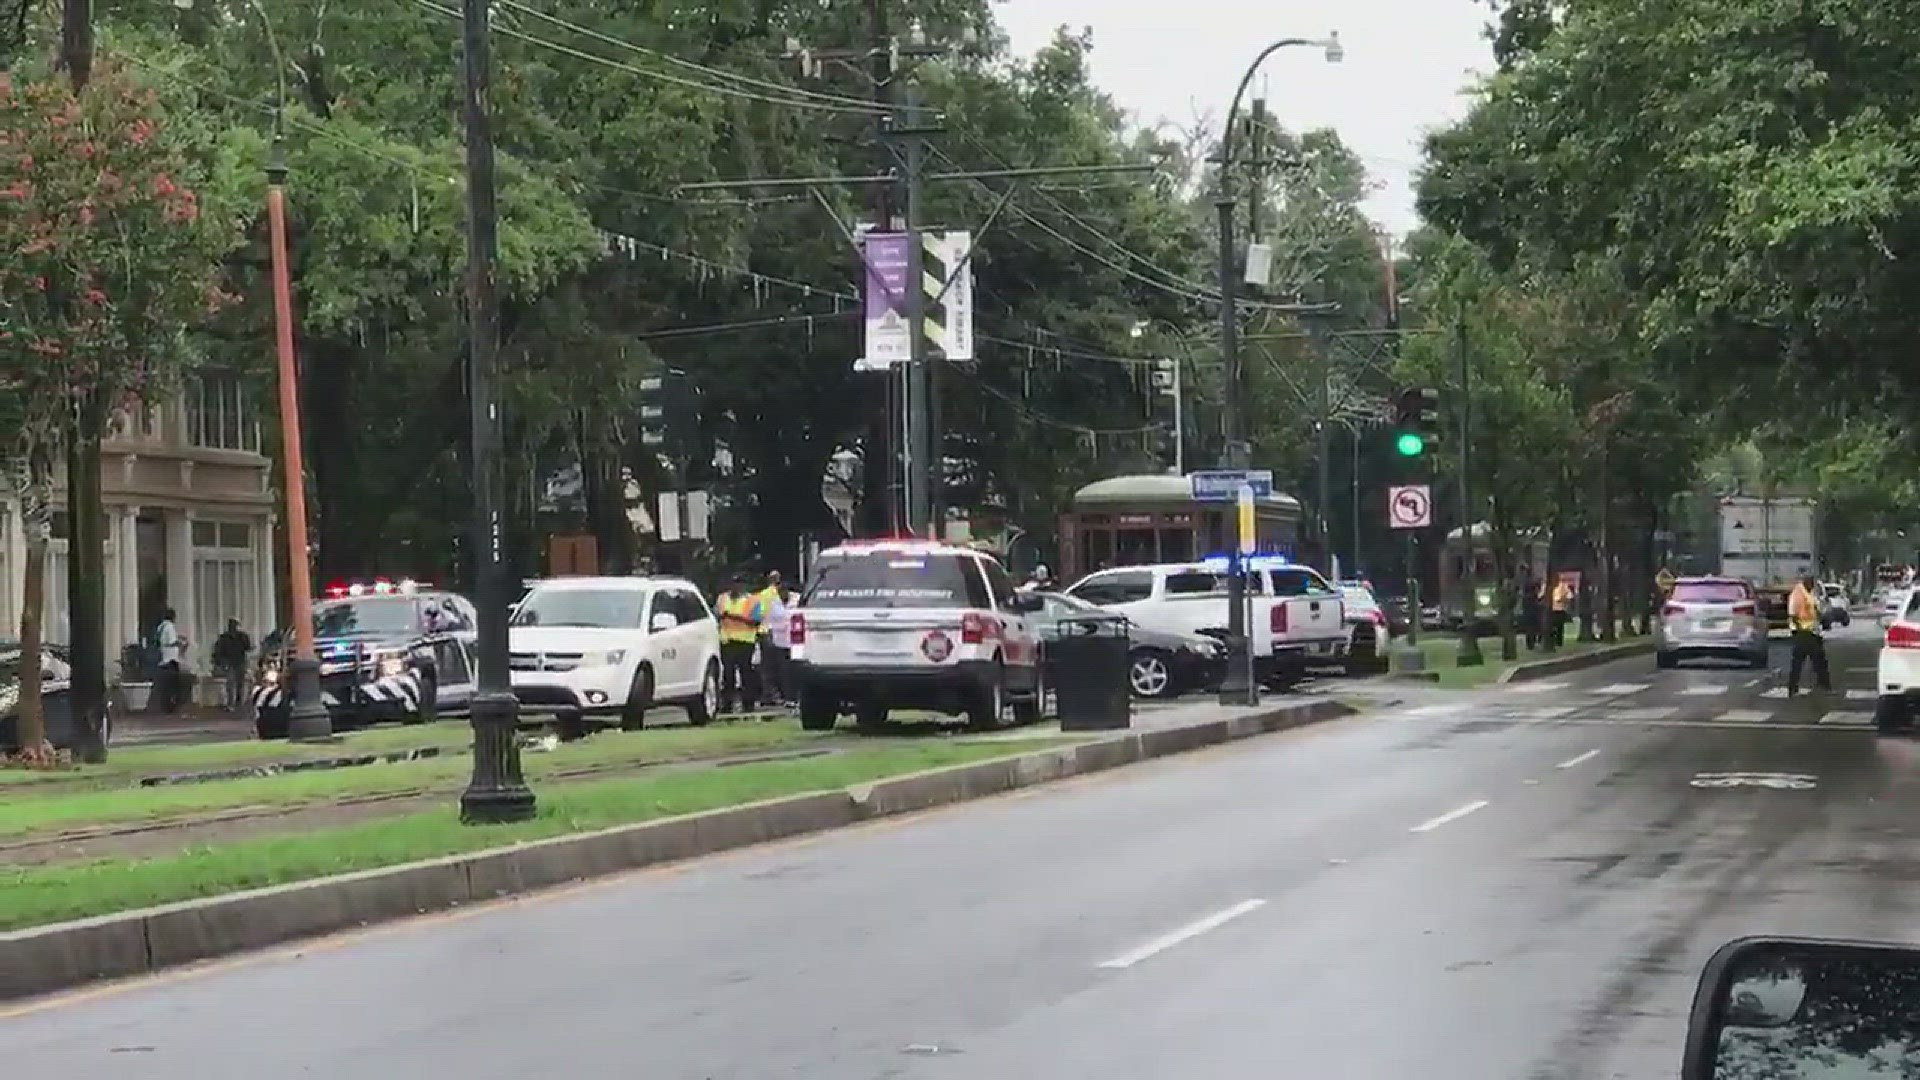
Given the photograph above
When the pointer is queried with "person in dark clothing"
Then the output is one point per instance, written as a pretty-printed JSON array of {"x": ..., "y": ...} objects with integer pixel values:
[
  {"x": 1530, "y": 605},
  {"x": 230, "y": 651}
]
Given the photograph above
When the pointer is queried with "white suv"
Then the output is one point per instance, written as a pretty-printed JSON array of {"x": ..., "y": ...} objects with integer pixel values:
[
  {"x": 913, "y": 624},
  {"x": 1898, "y": 675},
  {"x": 603, "y": 647}
]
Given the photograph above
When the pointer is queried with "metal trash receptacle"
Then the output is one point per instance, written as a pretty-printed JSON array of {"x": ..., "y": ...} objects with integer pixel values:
[{"x": 1088, "y": 659}]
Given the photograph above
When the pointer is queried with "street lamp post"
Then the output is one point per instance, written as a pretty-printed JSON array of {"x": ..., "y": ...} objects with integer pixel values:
[
  {"x": 1239, "y": 687},
  {"x": 497, "y": 792},
  {"x": 307, "y": 719}
]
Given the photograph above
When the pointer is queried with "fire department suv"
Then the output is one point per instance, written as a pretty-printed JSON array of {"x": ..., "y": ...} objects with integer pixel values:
[
  {"x": 913, "y": 624},
  {"x": 387, "y": 651}
]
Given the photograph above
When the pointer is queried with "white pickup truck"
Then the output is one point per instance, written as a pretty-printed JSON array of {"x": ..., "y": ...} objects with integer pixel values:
[{"x": 1296, "y": 617}]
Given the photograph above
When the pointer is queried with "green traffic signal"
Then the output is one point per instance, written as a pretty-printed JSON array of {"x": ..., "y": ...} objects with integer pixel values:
[{"x": 1410, "y": 444}]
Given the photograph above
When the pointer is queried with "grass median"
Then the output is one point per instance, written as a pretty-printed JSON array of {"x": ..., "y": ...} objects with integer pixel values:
[
  {"x": 35, "y": 896},
  {"x": 1441, "y": 652},
  {"x": 29, "y": 811},
  {"x": 124, "y": 765}
]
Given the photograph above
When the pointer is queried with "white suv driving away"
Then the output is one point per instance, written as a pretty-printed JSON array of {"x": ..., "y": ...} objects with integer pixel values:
[
  {"x": 913, "y": 624},
  {"x": 590, "y": 648},
  {"x": 1898, "y": 674}
]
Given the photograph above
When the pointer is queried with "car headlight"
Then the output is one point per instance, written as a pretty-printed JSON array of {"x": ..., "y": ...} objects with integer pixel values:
[{"x": 392, "y": 665}]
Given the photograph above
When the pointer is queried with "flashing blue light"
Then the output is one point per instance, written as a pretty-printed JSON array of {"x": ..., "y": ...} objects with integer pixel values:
[{"x": 1221, "y": 564}]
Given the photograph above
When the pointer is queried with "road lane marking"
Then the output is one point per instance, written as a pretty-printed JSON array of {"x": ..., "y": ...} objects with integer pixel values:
[
  {"x": 1537, "y": 688},
  {"x": 1454, "y": 814},
  {"x": 1424, "y": 711},
  {"x": 1756, "y": 681},
  {"x": 1185, "y": 933},
  {"x": 1745, "y": 716},
  {"x": 1708, "y": 690},
  {"x": 1578, "y": 759},
  {"x": 1656, "y": 712},
  {"x": 1777, "y": 781},
  {"x": 1776, "y": 693},
  {"x": 1857, "y": 694},
  {"x": 1620, "y": 688},
  {"x": 1841, "y": 718}
]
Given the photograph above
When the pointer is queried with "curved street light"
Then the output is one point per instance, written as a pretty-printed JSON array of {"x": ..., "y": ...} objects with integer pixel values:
[{"x": 1239, "y": 687}]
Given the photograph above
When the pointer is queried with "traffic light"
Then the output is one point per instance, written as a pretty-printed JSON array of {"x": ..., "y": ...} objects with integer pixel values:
[
  {"x": 1416, "y": 422},
  {"x": 666, "y": 402}
]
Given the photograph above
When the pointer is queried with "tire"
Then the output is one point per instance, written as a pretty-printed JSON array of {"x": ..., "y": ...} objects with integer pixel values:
[
  {"x": 1032, "y": 710},
  {"x": 702, "y": 708},
  {"x": 633, "y": 714},
  {"x": 1150, "y": 674},
  {"x": 985, "y": 704},
  {"x": 1665, "y": 661},
  {"x": 1890, "y": 714},
  {"x": 818, "y": 712},
  {"x": 429, "y": 709}
]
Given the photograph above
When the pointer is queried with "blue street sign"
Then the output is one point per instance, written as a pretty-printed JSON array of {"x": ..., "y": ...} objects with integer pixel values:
[{"x": 1223, "y": 485}]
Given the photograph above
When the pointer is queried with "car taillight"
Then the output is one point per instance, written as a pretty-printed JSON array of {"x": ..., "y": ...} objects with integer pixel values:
[
  {"x": 1673, "y": 609},
  {"x": 797, "y": 628},
  {"x": 1277, "y": 622},
  {"x": 1745, "y": 609},
  {"x": 973, "y": 628},
  {"x": 1903, "y": 636}
]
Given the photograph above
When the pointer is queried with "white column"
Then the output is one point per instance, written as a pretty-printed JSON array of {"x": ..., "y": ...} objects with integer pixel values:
[
  {"x": 16, "y": 541},
  {"x": 181, "y": 594},
  {"x": 266, "y": 614},
  {"x": 127, "y": 555}
]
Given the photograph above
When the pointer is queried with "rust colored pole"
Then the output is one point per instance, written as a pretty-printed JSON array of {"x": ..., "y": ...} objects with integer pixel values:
[{"x": 307, "y": 719}]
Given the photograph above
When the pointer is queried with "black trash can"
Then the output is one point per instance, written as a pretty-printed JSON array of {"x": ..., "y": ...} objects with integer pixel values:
[{"x": 1087, "y": 661}]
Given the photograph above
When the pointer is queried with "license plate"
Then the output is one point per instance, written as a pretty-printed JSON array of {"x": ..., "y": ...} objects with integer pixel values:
[{"x": 1716, "y": 626}]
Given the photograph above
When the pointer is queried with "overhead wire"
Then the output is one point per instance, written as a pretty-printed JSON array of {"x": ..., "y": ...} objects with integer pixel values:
[{"x": 869, "y": 109}]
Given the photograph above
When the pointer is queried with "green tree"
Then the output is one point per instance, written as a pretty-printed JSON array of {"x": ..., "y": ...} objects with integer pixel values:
[{"x": 115, "y": 257}]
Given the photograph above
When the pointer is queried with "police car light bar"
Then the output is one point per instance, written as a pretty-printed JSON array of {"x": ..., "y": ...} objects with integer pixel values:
[
  {"x": 379, "y": 587},
  {"x": 1221, "y": 564}
]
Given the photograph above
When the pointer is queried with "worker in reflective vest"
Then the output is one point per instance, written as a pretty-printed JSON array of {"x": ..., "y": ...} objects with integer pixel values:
[
  {"x": 741, "y": 615},
  {"x": 1803, "y": 619}
]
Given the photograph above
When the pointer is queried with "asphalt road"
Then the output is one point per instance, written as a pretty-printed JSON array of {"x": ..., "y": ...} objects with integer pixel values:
[{"x": 1517, "y": 883}]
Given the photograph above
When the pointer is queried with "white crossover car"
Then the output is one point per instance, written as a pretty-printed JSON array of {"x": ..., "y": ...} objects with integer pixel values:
[
  {"x": 601, "y": 648},
  {"x": 1898, "y": 675}
]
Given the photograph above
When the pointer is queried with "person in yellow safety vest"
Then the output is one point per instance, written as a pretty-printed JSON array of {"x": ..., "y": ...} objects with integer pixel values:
[
  {"x": 1803, "y": 619},
  {"x": 1562, "y": 604},
  {"x": 741, "y": 616},
  {"x": 773, "y": 640}
]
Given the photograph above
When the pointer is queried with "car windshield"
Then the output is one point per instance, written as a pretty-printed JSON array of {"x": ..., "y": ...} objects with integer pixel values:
[
  {"x": 375, "y": 615},
  {"x": 1710, "y": 592},
  {"x": 894, "y": 579},
  {"x": 613, "y": 609}
]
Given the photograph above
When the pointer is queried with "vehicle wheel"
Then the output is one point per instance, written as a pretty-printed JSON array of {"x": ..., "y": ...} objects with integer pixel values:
[
  {"x": 1664, "y": 661},
  {"x": 818, "y": 712},
  {"x": 429, "y": 702},
  {"x": 701, "y": 710},
  {"x": 1890, "y": 714},
  {"x": 986, "y": 704},
  {"x": 1032, "y": 710},
  {"x": 633, "y": 715},
  {"x": 271, "y": 723},
  {"x": 1150, "y": 673}
]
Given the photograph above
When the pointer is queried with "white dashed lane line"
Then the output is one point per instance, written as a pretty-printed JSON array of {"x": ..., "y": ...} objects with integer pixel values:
[
  {"x": 1578, "y": 759},
  {"x": 1183, "y": 934},
  {"x": 1454, "y": 814}
]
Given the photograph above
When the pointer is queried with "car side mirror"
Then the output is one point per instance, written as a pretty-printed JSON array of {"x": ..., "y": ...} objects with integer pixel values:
[
  {"x": 663, "y": 620},
  {"x": 1803, "y": 1007}
]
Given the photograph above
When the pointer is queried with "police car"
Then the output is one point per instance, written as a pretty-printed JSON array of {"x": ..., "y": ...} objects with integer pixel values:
[
  {"x": 387, "y": 650},
  {"x": 913, "y": 624}
]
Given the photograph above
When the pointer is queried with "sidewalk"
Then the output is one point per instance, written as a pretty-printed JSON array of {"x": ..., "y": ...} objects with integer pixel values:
[{"x": 193, "y": 723}]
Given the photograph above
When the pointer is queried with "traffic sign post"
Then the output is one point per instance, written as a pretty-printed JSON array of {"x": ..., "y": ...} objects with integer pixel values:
[
  {"x": 1410, "y": 506},
  {"x": 1223, "y": 485}
]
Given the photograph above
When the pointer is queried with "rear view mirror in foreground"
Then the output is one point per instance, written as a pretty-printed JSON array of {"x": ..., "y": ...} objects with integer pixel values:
[{"x": 1792, "y": 1008}]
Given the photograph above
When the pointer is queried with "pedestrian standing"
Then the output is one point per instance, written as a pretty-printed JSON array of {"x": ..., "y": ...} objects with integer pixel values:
[
  {"x": 778, "y": 644},
  {"x": 1530, "y": 603},
  {"x": 740, "y": 621},
  {"x": 173, "y": 658},
  {"x": 773, "y": 656},
  {"x": 1803, "y": 619},
  {"x": 230, "y": 651},
  {"x": 1562, "y": 601}
]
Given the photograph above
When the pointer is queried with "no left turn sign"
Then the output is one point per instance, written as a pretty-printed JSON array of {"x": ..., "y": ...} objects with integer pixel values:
[{"x": 1410, "y": 506}]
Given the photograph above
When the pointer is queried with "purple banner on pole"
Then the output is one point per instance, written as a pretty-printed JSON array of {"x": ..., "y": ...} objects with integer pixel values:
[{"x": 889, "y": 337}]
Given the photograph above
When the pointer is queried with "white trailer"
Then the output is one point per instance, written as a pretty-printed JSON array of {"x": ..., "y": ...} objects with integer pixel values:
[{"x": 1768, "y": 541}]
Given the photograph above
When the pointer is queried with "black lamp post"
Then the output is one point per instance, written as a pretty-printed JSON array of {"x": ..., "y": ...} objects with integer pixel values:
[
  {"x": 497, "y": 792},
  {"x": 1239, "y": 687}
]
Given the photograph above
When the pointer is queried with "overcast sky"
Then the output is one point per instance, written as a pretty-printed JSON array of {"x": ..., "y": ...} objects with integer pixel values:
[{"x": 1406, "y": 67}]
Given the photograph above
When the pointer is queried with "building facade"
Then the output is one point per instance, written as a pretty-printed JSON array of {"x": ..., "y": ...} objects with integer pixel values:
[{"x": 190, "y": 525}]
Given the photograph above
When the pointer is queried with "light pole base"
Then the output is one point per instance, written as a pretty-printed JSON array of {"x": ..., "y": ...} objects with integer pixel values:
[
  {"x": 1238, "y": 686},
  {"x": 498, "y": 793},
  {"x": 1469, "y": 654},
  {"x": 307, "y": 719}
]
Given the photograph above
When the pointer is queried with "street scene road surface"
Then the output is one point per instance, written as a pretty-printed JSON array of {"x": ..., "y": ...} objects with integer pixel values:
[{"x": 1521, "y": 882}]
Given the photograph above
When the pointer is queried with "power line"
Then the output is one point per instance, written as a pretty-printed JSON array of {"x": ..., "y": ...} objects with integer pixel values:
[
  {"x": 660, "y": 76},
  {"x": 863, "y": 105},
  {"x": 1043, "y": 419}
]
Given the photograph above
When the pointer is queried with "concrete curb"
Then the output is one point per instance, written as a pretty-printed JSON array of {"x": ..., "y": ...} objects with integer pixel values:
[
  {"x": 1559, "y": 665},
  {"x": 48, "y": 958}
]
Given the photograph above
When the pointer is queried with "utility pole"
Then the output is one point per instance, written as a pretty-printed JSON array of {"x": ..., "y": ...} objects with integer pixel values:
[
  {"x": 1469, "y": 654},
  {"x": 497, "y": 793},
  {"x": 924, "y": 470}
]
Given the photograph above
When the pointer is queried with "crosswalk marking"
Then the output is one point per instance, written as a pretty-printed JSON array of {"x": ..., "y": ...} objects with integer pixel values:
[
  {"x": 1704, "y": 690},
  {"x": 1857, "y": 694},
  {"x": 1776, "y": 692},
  {"x": 1620, "y": 688},
  {"x": 1537, "y": 687},
  {"x": 1653, "y": 713},
  {"x": 1841, "y": 718},
  {"x": 1745, "y": 716}
]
